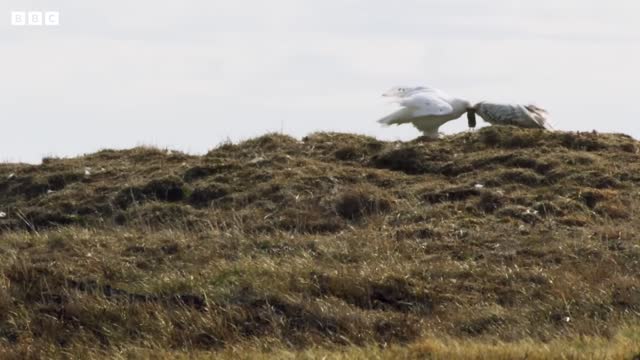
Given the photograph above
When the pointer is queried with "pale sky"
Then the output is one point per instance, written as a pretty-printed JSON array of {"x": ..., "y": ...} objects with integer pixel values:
[{"x": 190, "y": 74}]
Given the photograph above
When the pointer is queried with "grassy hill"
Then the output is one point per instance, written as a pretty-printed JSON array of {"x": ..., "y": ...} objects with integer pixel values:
[{"x": 504, "y": 243}]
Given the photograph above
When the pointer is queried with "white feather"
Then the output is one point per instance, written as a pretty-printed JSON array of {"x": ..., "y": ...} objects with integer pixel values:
[{"x": 426, "y": 108}]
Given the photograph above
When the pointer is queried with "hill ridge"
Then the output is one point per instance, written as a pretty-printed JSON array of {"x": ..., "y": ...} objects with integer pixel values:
[
  {"x": 100, "y": 187},
  {"x": 503, "y": 234}
]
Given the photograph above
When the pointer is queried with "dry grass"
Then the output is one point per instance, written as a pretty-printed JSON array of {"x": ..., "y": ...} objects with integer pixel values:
[{"x": 504, "y": 243}]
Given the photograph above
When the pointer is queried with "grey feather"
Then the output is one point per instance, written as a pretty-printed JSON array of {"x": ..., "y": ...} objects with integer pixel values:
[{"x": 525, "y": 116}]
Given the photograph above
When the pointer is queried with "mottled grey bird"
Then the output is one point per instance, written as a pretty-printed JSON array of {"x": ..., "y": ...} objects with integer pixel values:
[{"x": 525, "y": 116}]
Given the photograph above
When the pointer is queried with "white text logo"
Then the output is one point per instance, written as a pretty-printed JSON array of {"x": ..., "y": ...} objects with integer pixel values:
[{"x": 35, "y": 18}]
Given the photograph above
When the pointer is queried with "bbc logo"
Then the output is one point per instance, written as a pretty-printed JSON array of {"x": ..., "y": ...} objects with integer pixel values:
[{"x": 35, "y": 18}]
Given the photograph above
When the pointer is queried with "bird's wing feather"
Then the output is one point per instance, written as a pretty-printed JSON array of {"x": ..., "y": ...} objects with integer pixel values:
[
  {"x": 499, "y": 114},
  {"x": 539, "y": 116},
  {"x": 417, "y": 106},
  {"x": 528, "y": 116},
  {"x": 426, "y": 104},
  {"x": 401, "y": 116}
]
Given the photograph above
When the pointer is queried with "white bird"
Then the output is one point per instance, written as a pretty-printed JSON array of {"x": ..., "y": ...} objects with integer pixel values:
[
  {"x": 425, "y": 108},
  {"x": 525, "y": 116}
]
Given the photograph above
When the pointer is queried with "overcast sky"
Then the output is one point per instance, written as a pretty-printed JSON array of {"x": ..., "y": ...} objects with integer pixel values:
[{"x": 190, "y": 74}]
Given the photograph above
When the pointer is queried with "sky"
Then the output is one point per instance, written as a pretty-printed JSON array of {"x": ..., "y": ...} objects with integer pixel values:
[{"x": 191, "y": 74}]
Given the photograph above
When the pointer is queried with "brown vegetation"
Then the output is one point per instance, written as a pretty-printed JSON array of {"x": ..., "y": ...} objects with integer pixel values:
[{"x": 339, "y": 245}]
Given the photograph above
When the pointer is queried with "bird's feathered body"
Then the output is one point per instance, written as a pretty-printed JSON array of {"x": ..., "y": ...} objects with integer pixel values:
[
  {"x": 426, "y": 108},
  {"x": 525, "y": 116}
]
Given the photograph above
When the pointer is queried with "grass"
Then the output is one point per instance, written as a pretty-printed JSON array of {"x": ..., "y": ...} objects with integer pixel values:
[{"x": 502, "y": 243}]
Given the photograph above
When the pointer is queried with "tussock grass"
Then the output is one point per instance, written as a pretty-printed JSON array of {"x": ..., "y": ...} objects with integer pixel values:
[{"x": 503, "y": 243}]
